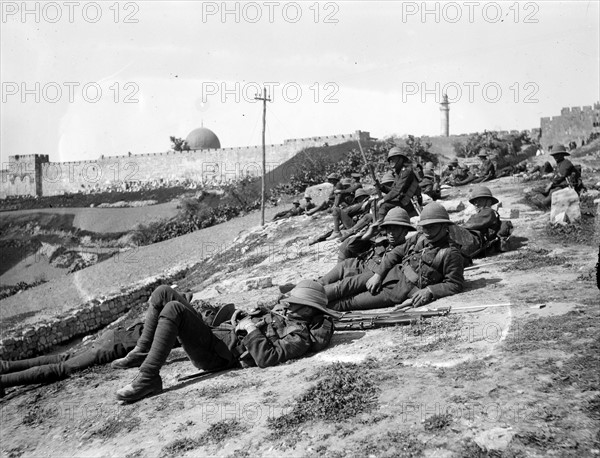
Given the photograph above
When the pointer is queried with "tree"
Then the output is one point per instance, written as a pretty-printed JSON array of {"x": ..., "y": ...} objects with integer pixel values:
[{"x": 179, "y": 144}]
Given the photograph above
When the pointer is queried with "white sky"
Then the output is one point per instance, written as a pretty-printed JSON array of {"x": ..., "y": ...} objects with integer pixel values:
[{"x": 377, "y": 58}]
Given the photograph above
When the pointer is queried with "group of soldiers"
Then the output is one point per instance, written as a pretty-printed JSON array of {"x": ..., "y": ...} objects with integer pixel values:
[{"x": 384, "y": 262}]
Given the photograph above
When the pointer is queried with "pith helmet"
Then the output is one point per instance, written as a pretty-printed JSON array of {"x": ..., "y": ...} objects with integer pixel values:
[
  {"x": 395, "y": 151},
  {"x": 360, "y": 192},
  {"x": 312, "y": 294},
  {"x": 397, "y": 217},
  {"x": 224, "y": 314},
  {"x": 356, "y": 175},
  {"x": 296, "y": 202},
  {"x": 559, "y": 149},
  {"x": 434, "y": 213},
  {"x": 333, "y": 176},
  {"x": 482, "y": 191},
  {"x": 454, "y": 162},
  {"x": 483, "y": 153},
  {"x": 388, "y": 177}
]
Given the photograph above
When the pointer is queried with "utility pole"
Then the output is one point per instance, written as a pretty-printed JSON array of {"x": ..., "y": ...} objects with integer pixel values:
[{"x": 264, "y": 159}]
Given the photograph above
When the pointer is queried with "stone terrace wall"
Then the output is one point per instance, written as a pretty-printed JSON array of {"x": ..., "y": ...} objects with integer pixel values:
[
  {"x": 93, "y": 315},
  {"x": 573, "y": 124}
]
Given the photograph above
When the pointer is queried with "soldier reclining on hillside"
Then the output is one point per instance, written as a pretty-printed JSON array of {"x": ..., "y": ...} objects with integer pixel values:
[
  {"x": 425, "y": 268},
  {"x": 296, "y": 325},
  {"x": 109, "y": 346}
]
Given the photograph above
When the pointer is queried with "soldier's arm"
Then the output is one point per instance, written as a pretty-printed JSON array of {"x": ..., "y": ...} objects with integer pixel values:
[
  {"x": 266, "y": 353},
  {"x": 482, "y": 220},
  {"x": 453, "y": 272}
]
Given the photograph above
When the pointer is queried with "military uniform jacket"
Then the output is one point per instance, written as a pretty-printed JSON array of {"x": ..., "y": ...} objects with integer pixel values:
[
  {"x": 563, "y": 171},
  {"x": 277, "y": 339},
  {"x": 487, "y": 170},
  {"x": 486, "y": 221},
  {"x": 405, "y": 186},
  {"x": 419, "y": 262},
  {"x": 351, "y": 189},
  {"x": 370, "y": 253}
]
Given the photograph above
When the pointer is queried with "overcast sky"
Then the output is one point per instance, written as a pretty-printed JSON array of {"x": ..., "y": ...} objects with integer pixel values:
[{"x": 334, "y": 67}]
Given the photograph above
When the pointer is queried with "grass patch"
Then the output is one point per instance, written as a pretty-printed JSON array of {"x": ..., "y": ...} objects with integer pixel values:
[
  {"x": 120, "y": 423},
  {"x": 533, "y": 258},
  {"x": 392, "y": 444},
  {"x": 344, "y": 391},
  {"x": 216, "y": 434},
  {"x": 437, "y": 422}
]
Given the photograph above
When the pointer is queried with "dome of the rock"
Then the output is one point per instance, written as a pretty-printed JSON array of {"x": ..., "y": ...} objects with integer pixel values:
[{"x": 202, "y": 138}]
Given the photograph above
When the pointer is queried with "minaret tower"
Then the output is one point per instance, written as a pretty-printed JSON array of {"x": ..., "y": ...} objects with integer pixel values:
[{"x": 445, "y": 116}]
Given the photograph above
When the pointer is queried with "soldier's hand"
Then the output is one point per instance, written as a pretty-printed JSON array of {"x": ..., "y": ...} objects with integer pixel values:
[
  {"x": 245, "y": 324},
  {"x": 371, "y": 231},
  {"x": 374, "y": 284},
  {"x": 422, "y": 297}
]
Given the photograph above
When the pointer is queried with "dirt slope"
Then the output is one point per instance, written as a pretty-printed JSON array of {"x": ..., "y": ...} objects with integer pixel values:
[{"x": 515, "y": 380}]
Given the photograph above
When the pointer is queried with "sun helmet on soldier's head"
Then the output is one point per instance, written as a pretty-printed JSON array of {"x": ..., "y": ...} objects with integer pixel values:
[
  {"x": 559, "y": 149},
  {"x": 434, "y": 213},
  {"x": 482, "y": 153},
  {"x": 333, "y": 177},
  {"x": 312, "y": 294},
  {"x": 356, "y": 175},
  {"x": 388, "y": 177},
  {"x": 482, "y": 191},
  {"x": 397, "y": 152},
  {"x": 397, "y": 216},
  {"x": 296, "y": 202},
  {"x": 360, "y": 192}
]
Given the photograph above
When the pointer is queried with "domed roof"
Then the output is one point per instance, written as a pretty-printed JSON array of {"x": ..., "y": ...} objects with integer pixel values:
[{"x": 202, "y": 138}]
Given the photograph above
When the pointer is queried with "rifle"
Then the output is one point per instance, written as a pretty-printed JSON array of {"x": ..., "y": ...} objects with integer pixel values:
[
  {"x": 373, "y": 320},
  {"x": 373, "y": 176}
]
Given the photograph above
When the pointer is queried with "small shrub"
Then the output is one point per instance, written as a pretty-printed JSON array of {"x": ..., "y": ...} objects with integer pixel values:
[{"x": 344, "y": 391}]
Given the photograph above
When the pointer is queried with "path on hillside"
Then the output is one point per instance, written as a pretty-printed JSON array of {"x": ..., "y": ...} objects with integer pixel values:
[
  {"x": 109, "y": 276},
  {"x": 106, "y": 220}
]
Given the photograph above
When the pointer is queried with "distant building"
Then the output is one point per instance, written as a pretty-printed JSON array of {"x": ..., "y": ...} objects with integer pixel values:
[{"x": 202, "y": 138}]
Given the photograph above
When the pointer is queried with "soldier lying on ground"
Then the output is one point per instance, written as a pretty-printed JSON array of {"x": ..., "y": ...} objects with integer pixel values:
[
  {"x": 487, "y": 171},
  {"x": 430, "y": 184},
  {"x": 425, "y": 268},
  {"x": 309, "y": 204},
  {"x": 348, "y": 216},
  {"x": 262, "y": 338},
  {"x": 108, "y": 347},
  {"x": 367, "y": 218},
  {"x": 364, "y": 253},
  {"x": 296, "y": 210},
  {"x": 449, "y": 171},
  {"x": 565, "y": 175},
  {"x": 483, "y": 233},
  {"x": 334, "y": 179}
]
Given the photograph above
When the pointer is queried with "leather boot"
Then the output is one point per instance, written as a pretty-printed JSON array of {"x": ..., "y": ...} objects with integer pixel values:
[
  {"x": 134, "y": 358},
  {"x": 144, "y": 385}
]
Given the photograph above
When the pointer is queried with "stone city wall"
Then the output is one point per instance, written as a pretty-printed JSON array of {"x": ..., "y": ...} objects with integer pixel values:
[
  {"x": 574, "y": 124},
  {"x": 211, "y": 165}
]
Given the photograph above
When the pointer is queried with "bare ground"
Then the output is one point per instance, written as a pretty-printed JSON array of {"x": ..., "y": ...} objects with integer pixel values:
[{"x": 510, "y": 381}]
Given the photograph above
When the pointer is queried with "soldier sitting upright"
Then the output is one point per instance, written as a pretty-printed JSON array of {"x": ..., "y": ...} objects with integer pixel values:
[
  {"x": 565, "y": 175},
  {"x": 404, "y": 188}
]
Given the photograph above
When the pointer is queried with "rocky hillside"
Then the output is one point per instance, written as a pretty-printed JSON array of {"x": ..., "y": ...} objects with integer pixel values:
[{"x": 509, "y": 380}]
